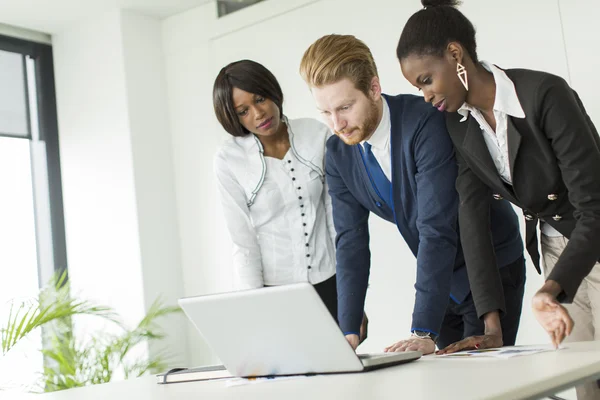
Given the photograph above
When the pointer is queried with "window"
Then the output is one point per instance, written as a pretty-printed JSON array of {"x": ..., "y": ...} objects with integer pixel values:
[
  {"x": 225, "y": 7},
  {"x": 32, "y": 237},
  {"x": 13, "y": 104}
]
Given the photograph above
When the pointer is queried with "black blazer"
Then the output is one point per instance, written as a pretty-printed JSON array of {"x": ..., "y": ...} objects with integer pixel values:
[{"x": 554, "y": 155}]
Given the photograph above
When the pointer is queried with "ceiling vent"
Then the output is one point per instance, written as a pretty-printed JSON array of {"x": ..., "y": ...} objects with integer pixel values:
[{"x": 225, "y": 7}]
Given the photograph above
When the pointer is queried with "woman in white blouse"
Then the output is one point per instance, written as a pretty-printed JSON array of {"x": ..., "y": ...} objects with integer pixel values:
[{"x": 271, "y": 180}]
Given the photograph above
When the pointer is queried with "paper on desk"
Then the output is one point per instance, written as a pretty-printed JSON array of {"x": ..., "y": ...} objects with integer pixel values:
[
  {"x": 253, "y": 381},
  {"x": 503, "y": 352}
]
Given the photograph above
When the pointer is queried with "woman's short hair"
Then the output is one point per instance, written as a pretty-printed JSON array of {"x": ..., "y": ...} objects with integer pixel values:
[{"x": 248, "y": 76}]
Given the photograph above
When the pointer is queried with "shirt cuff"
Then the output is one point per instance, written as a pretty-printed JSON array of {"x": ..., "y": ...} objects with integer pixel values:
[{"x": 425, "y": 330}]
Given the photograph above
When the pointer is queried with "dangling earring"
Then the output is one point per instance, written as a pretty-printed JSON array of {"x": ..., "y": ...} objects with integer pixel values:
[{"x": 461, "y": 71}]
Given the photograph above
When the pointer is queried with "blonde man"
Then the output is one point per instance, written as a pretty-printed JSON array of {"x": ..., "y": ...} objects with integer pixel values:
[{"x": 392, "y": 156}]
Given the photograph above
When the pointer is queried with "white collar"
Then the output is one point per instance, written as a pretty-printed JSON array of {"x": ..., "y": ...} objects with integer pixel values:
[
  {"x": 506, "y": 100},
  {"x": 381, "y": 137}
]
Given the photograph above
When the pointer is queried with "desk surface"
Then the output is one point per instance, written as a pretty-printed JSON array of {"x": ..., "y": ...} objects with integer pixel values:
[{"x": 525, "y": 377}]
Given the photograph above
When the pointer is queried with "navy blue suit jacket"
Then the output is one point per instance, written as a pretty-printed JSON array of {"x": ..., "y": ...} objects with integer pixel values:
[{"x": 425, "y": 210}]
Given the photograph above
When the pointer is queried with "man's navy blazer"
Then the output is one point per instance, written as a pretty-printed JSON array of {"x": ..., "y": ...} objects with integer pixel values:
[{"x": 425, "y": 210}]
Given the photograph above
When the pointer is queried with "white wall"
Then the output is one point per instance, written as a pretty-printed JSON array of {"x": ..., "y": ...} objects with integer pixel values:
[
  {"x": 197, "y": 45},
  {"x": 204, "y": 249},
  {"x": 116, "y": 160},
  {"x": 153, "y": 173},
  {"x": 97, "y": 171},
  {"x": 580, "y": 21}
]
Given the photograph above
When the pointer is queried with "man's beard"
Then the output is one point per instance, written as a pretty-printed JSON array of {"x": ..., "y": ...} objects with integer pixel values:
[{"x": 363, "y": 131}]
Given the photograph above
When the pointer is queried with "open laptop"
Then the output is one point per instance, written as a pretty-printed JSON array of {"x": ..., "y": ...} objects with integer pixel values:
[{"x": 282, "y": 330}]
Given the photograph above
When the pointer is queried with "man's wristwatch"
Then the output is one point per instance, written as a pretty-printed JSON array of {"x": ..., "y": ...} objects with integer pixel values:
[{"x": 425, "y": 335}]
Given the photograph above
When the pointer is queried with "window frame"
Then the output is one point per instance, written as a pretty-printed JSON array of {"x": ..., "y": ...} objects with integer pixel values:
[{"x": 47, "y": 121}]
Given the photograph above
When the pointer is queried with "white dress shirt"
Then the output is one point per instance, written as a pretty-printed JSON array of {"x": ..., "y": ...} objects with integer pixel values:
[
  {"x": 283, "y": 233},
  {"x": 380, "y": 141},
  {"x": 506, "y": 103}
]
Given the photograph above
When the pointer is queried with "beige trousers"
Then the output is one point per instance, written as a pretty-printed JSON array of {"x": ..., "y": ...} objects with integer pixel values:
[{"x": 585, "y": 309}]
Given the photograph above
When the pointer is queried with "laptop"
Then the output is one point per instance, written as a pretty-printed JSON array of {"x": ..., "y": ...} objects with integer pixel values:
[{"x": 281, "y": 330}]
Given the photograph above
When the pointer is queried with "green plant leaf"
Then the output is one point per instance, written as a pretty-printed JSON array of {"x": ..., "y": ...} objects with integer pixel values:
[{"x": 74, "y": 363}]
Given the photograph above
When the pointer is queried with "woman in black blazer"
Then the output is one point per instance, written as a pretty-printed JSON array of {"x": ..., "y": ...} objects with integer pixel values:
[{"x": 523, "y": 136}]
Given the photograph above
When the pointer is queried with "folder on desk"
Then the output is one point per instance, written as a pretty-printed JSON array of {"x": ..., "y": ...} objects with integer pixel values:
[{"x": 193, "y": 374}]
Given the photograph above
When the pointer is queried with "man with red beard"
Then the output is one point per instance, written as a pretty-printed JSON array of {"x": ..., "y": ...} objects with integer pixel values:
[{"x": 391, "y": 155}]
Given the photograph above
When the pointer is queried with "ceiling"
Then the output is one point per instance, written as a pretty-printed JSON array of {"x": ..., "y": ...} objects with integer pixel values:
[{"x": 51, "y": 16}]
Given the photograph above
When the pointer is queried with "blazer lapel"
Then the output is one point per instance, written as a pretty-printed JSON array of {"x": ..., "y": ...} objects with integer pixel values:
[
  {"x": 474, "y": 145},
  {"x": 514, "y": 141}
]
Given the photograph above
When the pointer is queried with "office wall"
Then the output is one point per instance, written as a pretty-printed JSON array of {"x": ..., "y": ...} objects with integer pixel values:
[
  {"x": 204, "y": 242},
  {"x": 580, "y": 19},
  {"x": 97, "y": 171},
  {"x": 539, "y": 36},
  {"x": 117, "y": 170},
  {"x": 152, "y": 161}
]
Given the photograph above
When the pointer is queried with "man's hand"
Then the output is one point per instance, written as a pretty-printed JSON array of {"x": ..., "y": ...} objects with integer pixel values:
[
  {"x": 424, "y": 345},
  {"x": 553, "y": 317},
  {"x": 364, "y": 328},
  {"x": 353, "y": 340}
]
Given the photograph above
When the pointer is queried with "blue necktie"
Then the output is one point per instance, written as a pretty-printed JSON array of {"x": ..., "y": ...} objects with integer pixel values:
[{"x": 382, "y": 184}]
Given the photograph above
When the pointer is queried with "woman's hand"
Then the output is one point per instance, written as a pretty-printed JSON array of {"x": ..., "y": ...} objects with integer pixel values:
[
  {"x": 473, "y": 343},
  {"x": 553, "y": 317}
]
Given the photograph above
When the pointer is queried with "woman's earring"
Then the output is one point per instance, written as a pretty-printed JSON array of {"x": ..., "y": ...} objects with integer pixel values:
[{"x": 461, "y": 71}]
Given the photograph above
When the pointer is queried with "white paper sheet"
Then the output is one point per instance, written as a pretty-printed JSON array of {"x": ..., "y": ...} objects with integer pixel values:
[{"x": 503, "y": 352}]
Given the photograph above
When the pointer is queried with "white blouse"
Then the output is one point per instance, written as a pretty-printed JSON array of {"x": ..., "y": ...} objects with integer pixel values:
[{"x": 284, "y": 233}]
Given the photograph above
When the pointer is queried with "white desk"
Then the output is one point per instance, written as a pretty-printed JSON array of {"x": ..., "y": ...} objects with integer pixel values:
[{"x": 430, "y": 378}]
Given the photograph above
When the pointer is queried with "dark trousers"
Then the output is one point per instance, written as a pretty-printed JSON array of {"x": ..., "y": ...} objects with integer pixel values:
[
  {"x": 461, "y": 320},
  {"x": 327, "y": 290}
]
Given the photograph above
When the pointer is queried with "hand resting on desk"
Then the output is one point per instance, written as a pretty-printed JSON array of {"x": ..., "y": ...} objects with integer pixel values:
[
  {"x": 424, "y": 345},
  {"x": 472, "y": 343}
]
